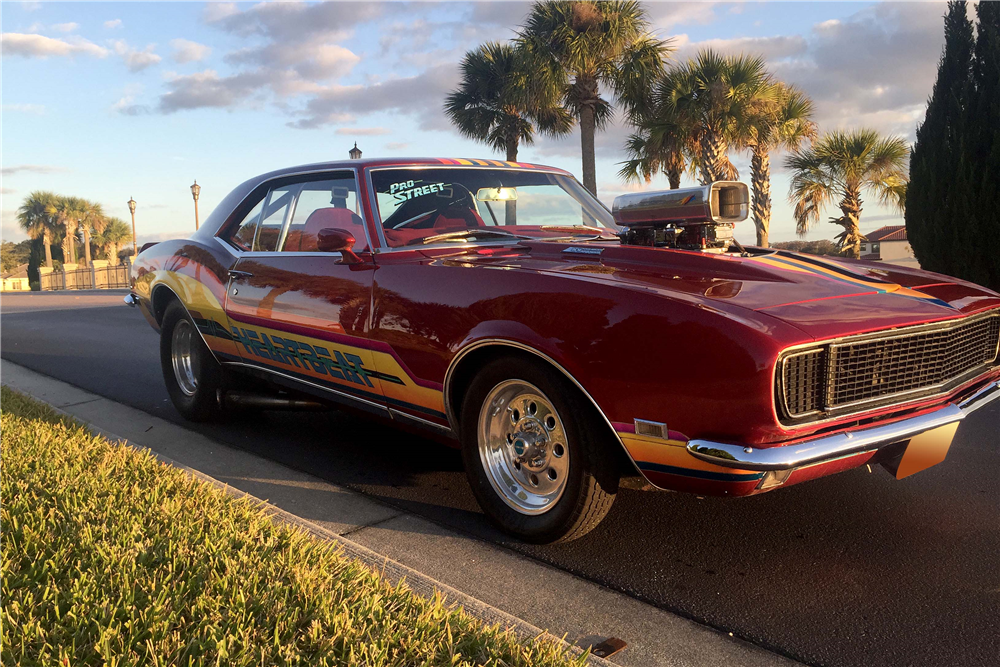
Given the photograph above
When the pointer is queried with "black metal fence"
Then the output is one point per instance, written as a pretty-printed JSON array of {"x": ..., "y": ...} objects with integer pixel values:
[{"x": 88, "y": 277}]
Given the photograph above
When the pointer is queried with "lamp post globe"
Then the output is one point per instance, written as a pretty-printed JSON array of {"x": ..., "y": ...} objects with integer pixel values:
[
  {"x": 131, "y": 209},
  {"x": 195, "y": 192},
  {"x": 355, "y": 152}
]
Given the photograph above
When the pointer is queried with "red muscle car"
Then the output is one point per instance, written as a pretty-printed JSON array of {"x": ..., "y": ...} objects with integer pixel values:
[{"x": 501, "y": 307}]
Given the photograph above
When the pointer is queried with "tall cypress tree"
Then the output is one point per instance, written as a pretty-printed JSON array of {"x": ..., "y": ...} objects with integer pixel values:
[
  {"x": 984, "y": 260},
  {"x": 937, "y": 198}
]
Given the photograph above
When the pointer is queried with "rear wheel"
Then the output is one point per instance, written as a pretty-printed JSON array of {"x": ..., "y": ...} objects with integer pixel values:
[
  {"x": 533, "y": 452},
  {"x": 192, "y": 375}
]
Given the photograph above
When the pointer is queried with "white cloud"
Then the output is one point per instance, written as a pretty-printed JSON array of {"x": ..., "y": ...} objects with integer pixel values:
[
  {"x": 421, "y": 95},
  {"x": 186, "y": 51},
  {"x": 39, "y": 46},
  {"x": 207, "y": 89},
  {"x": 65, "y": 27},
  {"x": 363, "y": 131},
  {"x": 297, "y": 36},
  {"x": 666, "y": 15},
  {"x": 397, "y": 145},
  {"x": 291, "y": 22},
  {"x": 37, "y": 109},
  {"x": 136, "y": 60},
  {"x": 127, "y": 107},
  {"x": 113, "y": 23},
  {"x": 30, "y": 168},
  {"x": 312, "y": 60},
  {"x": 772, "y": 48},
  {"x": 875, "y": 68}
]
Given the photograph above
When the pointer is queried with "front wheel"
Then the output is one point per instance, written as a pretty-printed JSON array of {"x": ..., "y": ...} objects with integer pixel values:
[
  {"x": 533, "y": 452},
  {"x": 192, "y": 375}
]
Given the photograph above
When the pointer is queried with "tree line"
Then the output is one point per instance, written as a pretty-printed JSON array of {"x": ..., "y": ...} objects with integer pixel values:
[
  {"x": 574, "y": 63},
  {"x": 63, "y": 228},
  {"x": 952, "y": 212}
]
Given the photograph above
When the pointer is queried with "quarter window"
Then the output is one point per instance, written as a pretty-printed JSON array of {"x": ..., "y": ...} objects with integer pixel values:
[
  {"x": 272, "y": 222},
  {"x": 245, "y": 233}
]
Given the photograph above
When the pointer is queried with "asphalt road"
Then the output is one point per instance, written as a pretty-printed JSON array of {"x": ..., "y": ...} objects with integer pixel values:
[{"x": 856, "y": 569}]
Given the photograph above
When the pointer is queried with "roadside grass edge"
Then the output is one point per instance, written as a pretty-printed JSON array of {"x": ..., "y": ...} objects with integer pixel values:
[{"x": 111, "y": 556}]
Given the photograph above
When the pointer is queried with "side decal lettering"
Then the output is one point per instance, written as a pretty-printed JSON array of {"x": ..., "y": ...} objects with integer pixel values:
[{"x": 297, "y": 354}]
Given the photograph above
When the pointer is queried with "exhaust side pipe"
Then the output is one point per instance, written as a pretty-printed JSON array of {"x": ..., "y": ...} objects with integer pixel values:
[{"x": 239, "y": 400}]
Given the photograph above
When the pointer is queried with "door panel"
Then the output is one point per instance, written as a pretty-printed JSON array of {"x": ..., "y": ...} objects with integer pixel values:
[{"x": 306, "y": 317}]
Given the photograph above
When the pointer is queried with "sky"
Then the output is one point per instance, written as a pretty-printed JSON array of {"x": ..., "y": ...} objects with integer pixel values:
[{"x": 109, "y": 101}]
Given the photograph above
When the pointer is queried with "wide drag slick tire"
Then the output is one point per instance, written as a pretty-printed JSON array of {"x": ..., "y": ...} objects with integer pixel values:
[
  {"x": 533, "y": 452},
  {"x": 192, "y": 374}
]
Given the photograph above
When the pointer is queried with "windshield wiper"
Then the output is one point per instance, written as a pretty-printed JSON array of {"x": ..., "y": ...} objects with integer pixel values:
[
  {"x": 578, "y": 229},
  {"x": 465, "y": 234},
  {"x": 575, "y": 231}
]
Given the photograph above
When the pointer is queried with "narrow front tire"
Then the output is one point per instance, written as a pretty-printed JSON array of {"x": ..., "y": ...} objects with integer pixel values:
[{"x": 534, "y": 452}]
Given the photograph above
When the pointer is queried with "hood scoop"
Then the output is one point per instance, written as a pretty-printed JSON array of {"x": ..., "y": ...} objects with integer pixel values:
[{"x": 700, "y": 219}]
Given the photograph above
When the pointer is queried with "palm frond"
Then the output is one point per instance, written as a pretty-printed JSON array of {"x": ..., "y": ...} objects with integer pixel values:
[{"x": 500, "y": 100}]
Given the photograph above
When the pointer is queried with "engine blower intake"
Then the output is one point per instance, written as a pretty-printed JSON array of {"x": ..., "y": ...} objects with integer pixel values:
[{"x": 699, "y": 218}]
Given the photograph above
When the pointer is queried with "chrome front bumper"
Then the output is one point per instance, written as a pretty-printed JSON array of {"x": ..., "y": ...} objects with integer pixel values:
[{"x": 830, "y": 447}]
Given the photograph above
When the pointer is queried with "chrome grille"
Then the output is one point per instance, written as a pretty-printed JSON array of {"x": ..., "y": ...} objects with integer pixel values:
[
  {"x": 803, "y": 376},
  {"x": 871, "y": 370}
]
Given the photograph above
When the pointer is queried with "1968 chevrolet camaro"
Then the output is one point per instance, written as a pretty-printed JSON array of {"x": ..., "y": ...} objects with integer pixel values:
[{"x": 501, "y": 307}]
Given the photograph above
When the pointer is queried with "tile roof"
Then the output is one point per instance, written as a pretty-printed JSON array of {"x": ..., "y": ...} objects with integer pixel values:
[{"x": 888, "y": 233}]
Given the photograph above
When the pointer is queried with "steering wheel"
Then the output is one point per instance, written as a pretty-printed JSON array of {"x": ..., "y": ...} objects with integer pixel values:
[{"x": 413, "y": 223}]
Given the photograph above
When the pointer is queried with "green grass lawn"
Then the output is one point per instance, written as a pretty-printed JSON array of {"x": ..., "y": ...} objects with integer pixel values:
[{"x": 112, "y": 558}]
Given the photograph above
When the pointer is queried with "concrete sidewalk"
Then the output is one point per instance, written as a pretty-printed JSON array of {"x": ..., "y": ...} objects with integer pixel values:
[{"x": 490, "y": 582}]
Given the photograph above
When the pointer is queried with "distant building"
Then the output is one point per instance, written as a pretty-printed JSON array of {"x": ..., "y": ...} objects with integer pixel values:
[
  {"x": 889, "y": 244},
  {"x": 16, "y": 280}
]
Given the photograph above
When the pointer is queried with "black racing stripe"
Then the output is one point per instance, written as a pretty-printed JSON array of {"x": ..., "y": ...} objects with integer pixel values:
[{"x": 831, "y": 267}]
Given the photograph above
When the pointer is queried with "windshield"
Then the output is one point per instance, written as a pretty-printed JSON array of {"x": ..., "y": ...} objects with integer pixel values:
[{"x": 452, "y": 205}]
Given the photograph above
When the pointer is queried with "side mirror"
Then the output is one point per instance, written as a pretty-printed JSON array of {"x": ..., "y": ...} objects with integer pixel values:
[{"x": 332, "y": 239}]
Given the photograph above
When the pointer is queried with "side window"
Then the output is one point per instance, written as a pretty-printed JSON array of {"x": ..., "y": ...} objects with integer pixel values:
[
  {"x": 244, "y": 235},
  {"x": 326, "y": 204},
  {"x": 272, "y": 222}
]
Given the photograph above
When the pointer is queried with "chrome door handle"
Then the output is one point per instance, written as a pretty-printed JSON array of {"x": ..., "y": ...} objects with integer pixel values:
[{"x": 239, "y": 274}]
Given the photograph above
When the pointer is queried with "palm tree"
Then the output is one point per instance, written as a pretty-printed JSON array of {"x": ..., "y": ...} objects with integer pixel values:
[
  {"x": 37, "y": 222},
  {"x": 711, "y": 97},
  {"x": 92, "y": 218},
  {"x": 583, "y": 45},
  {"x": 783, "y": 123},
  {"x": 115, "y": 234},
  {"x": 661, "y": 144},
  {"x": 845, "y": 164},
  {"x": 500, "y": 104},
  {"x": 67, "y": 212}
]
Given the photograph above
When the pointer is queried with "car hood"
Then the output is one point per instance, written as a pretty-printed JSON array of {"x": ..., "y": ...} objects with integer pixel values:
[{"x": 822, "y": 296}]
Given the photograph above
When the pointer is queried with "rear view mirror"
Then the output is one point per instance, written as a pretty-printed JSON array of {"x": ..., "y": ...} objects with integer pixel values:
[
  {"x": 332, "y": 239},
  {"x": 497, "y": 194},
  {"x": 338, "y": 192}
]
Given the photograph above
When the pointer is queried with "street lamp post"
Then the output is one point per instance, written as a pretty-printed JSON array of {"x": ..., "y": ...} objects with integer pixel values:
[
  {"x": 355, "y": 152},
  {"x": 131, "y": 209},
  {"x": 195, "y": 191}
]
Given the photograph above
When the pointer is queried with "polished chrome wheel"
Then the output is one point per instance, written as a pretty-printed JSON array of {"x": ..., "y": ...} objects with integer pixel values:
[
  {"x": 183, "y": 357},
  {"x": 522, "y": 444}
]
